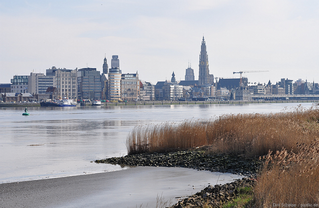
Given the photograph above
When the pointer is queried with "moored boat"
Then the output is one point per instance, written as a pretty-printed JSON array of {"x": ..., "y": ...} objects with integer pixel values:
[
  {"x": 96, "y": 103},
  {"x": 58, "y": 103}
]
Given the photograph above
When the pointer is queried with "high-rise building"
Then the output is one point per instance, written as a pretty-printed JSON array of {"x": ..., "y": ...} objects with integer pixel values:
[
  {"x": 43, "y": 83},
  {"x": 147, "y": 91},
  {"x": 33, "y": 82},
  {"x": 114, "y": 88},
  {"x": 115, "y": 62},
  {"x": 89, "y": 84},
  {"x": 105, "y": 66},
  {"x": 204, "y": 78},
  {"x": 114, "y": 82},
  {"x": 39, "y": 83}
]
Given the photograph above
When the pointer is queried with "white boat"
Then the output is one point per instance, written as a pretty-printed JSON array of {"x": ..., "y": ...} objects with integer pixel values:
[
  {"x": 96, "y": 103},
  {"x": 59, "y": 103},
  {"x": 67, "y": 103}
]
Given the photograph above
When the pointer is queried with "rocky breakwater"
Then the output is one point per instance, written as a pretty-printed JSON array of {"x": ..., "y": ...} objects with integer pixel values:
[
  {"x": 200, "y": 160},
  {"x": 216, "y": 196}
]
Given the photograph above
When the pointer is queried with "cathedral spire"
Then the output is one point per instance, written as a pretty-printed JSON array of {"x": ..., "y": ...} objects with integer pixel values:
[{"x": 203, "y": 78}]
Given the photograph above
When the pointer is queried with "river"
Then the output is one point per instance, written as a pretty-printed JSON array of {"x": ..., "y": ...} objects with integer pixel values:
[{"x": 59, "y": 142}]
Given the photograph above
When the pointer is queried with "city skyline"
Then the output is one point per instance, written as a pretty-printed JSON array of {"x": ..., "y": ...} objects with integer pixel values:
[{"x": 155, "y": 40}]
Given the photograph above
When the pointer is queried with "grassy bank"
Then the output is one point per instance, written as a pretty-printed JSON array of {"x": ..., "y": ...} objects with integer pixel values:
[{"x": 287, "y": 142}]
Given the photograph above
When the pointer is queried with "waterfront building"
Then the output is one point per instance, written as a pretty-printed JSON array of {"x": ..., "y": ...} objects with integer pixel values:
[
  {"x": 44, "y": 83},
  {"x": 268, "y": 88},
  {"x": 204, "y": 77},
  {"x": 33, "y": 82},
  {"x": 114, "y": 81},
  {"x": 168, "y": 91},
  {"x": 89, "y": 84},
  {"x": 242, "y": 93},
  {"x": 39, "y": 83},
  {"x": 172, "y": 91},
  {"x": 222, "y": 93},
  {"x": 196, "y": 92},
  {"x": 19, "y": 84},
  {"x": 303, "y": 87},
  {"x": 130, "y": 86},
  {"x": 17, "y": 97},
  {"x": 5, "y": 88},
  {"x": 105, "y": 66},
  {"x": 287, "y": 85},
  {"x": 231, "y": 83},
  {"x": 104, "y": 83},
  {"x": 159, "y": 92},
  {"x": 65, "y": 81},
  {"x": 258, "y": 89},
  {"x": 147, "y": 91},
  {"x": 189, "y": 75},
  {"x": 277, "y": 90}
]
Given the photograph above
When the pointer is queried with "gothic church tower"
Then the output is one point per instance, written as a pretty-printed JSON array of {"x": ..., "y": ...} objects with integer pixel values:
[
  {"x": 203, "y": 78},
  {"x": 105, "y": 67}
]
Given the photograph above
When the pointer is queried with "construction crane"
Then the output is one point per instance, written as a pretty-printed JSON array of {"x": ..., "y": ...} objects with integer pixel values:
[{"x": 241, "y": 75}]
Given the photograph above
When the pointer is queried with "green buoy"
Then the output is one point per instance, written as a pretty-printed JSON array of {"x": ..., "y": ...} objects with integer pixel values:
[{"x": 25, "y": 112}]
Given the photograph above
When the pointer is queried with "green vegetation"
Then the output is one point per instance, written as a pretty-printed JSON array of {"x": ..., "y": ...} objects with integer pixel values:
[{"x": 243, "y": 200}]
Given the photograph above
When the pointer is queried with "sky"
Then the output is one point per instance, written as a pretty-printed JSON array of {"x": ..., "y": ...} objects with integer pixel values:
[{"x": 158, "y": 37}]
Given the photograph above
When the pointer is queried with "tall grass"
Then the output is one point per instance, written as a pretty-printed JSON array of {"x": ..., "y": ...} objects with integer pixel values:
[
  {"x": 290, "y": 178},
  {"x": 249, "y": 134},
  {"x": 166, "y": 137}
]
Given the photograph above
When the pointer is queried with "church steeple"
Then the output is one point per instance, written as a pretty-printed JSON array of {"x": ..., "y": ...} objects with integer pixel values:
[
  {"x": 173, "y": 80},
  {"x": 105, "y": 66},
  {"x": 203, "y": 77}
]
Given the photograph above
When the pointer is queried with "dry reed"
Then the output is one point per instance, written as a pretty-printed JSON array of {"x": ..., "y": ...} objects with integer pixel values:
[
  {"x": 289, "y": 179},
  {"x": 249, "y": 134}
]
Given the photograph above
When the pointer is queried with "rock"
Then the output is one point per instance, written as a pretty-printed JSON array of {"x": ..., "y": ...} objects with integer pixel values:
[{"x": 213, "y": 195}]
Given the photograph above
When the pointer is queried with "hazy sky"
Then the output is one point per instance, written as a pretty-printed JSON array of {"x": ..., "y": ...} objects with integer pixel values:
[{"x": 157, "y": 37}]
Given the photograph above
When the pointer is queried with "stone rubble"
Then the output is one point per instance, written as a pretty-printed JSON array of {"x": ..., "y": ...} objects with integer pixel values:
[{"x": 200, "y": 160}]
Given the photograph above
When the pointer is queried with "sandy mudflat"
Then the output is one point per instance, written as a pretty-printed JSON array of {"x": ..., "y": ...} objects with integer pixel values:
[{"x": 126, "y": 188}]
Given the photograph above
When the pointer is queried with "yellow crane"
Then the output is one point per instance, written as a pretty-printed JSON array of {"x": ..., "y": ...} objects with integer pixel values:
[{"x": 241, "y": 75}]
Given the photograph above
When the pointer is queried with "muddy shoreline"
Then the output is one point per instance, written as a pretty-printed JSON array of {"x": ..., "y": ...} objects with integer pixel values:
[{"x": 213, "y": 196}]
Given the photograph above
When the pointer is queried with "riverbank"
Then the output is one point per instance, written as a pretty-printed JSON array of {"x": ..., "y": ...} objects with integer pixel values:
[
  {"x": 232, "y": 102},
  {"x": 200, "y": 160},
  {"x": 144, "y": 187},
  {"x": 19, "y": 104},
  {"x": 205, "y": 102},
  {"x": 240, "y": 190}
]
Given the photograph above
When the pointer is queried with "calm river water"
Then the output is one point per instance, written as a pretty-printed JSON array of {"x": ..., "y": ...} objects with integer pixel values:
[{"x": 58, "y": 142}]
